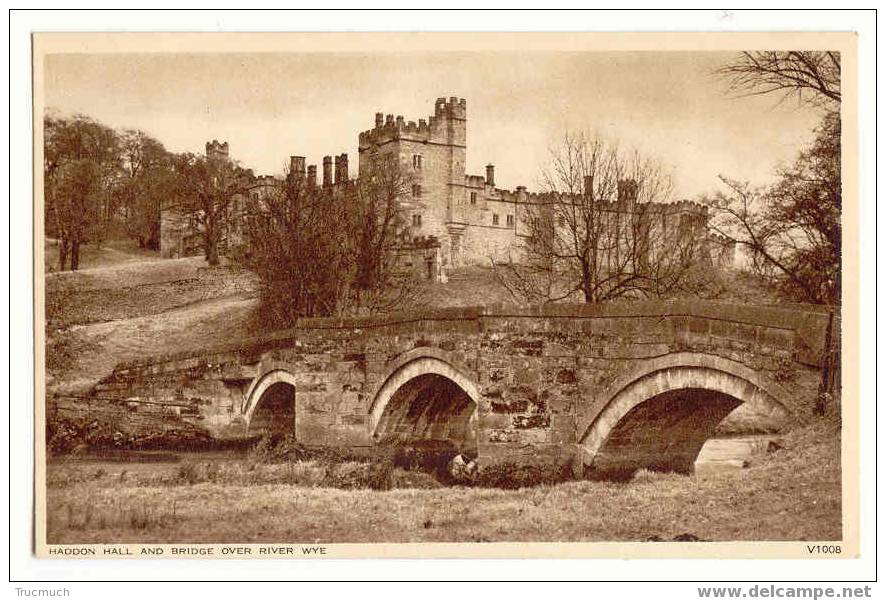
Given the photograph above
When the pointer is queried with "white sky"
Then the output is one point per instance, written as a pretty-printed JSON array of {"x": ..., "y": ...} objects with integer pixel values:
[{"x": 270, "y": 106}]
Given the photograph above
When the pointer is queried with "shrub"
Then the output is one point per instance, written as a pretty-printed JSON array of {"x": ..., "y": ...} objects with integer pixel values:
[
  {"x": 426, "y": 455},
  {"x": 66, "y": 435},
  {"x": 512, "y": 476},
  {"x": 403, "y": 479}
]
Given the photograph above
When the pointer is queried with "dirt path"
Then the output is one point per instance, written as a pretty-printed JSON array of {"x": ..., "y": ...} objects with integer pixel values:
[{"x": 195, "y": 326}]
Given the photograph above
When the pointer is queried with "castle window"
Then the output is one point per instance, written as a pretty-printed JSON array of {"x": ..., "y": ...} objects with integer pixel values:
[
  {"x": 473, "y": 198},
  {"x": 494, "y": 219},
  {"x": 416, "y": 190},
  {"x": 510, "y": 221},
  {"x": 416, "y": 161},
  {"x": 416, "y": 220}
]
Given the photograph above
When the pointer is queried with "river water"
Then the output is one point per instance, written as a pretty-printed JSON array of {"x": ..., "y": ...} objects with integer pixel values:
[{"x": 718, "y": 454}]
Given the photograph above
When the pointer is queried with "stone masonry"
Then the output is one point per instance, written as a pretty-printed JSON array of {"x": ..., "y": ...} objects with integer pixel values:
[
  {"x": 614, "y": 387},
  {"x": 472, "y": 220}
]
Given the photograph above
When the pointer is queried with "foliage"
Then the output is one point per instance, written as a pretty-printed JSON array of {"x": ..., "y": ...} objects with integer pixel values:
[
  {"x": 98, "y": 181},
  {"x": 321, "y": 251},
  {"x": 147, "y": 184},
  {"x": 207, "y": 188},
  {"x": 791, "y": 230}
]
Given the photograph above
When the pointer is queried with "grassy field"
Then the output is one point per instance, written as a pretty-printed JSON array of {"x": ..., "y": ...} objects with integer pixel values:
[
  {"x": 112, "y": 252},
  {"x": 791, "y": 494}
]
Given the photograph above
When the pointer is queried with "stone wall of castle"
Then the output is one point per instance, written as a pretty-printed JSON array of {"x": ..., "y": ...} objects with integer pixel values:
[{"x": 474, "y": 222}]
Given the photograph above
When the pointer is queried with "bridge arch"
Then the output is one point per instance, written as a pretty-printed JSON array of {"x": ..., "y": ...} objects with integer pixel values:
[
  {"x": 660, "y": 415},
  {"x": 269, "y": 404},
  {"x": 426, "y": 396}
]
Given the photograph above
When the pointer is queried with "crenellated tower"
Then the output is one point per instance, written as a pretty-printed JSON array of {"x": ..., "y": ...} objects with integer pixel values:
[
  {"x": 430, "y": 153},
  {"x": 217, "y": 151}
]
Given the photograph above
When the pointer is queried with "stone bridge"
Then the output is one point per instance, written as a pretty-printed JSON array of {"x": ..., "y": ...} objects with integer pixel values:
[{"x": 612, "y": 387}]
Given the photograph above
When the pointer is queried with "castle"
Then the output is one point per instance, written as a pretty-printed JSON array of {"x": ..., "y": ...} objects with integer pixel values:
[{"x": 470, "y": 220}]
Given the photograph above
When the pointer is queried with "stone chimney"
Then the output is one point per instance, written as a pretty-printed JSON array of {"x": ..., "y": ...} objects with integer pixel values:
[
  {"x": 341, "y": 168},
  {"x": 312, "y": 176},
  {"x": 327, "y": 171},
  {"x": 297, "y": 166},
  {"x": 379, "y": 119},
  {"x": 490, "y": 175},
  {"x": 589, "y": 185}
]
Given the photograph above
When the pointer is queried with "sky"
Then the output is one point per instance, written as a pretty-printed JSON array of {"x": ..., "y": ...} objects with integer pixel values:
[{"x": 668, "y": 105}]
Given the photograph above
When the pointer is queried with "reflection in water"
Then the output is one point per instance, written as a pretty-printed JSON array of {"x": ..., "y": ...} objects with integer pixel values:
[{"x": 730, "y": 452}]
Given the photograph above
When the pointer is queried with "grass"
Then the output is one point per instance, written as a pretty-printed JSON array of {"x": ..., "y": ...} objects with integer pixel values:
[
  {"x": 110, "y": 253},
  {"x": 791, "y": 494}
]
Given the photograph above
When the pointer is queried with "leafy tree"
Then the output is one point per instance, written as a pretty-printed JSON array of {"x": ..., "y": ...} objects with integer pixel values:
[
  {"x": 147, "y": 184},
  {"x": 76, "y": 192},
  {"x": 81, "y": 162}
]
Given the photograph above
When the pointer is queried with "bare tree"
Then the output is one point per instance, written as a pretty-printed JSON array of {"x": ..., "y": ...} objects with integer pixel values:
[
  {"x": 379, "y": 201},
  {"x": 297, "y": 244},
  {"x": 207, "y": 187},
  {"x": 321, "y": 251},
  {"x": 598, "y": 230},
  {"x": 791, "y": 230},
  {"x": 813, "y": 76}
]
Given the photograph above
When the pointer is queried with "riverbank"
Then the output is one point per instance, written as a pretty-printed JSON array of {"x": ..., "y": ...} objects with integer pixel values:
[{"x": 792, "y": 493}]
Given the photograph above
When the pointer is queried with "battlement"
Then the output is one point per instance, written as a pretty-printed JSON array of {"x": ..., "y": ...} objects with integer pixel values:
[
  {"x": 682, "y": 206},
  {"x": 475, "y": 181},
  {"x": 215, "y": 149},
  {"x": 521, "y": 196},
  {"x": 433, "y": 129},
  {"x": 454, "y": 108}
]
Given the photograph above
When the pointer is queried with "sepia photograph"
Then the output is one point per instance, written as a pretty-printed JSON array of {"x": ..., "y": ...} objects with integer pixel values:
[{"x": 363, "y": 294}]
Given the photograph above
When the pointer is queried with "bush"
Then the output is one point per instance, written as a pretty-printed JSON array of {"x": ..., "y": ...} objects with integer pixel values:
[
  {"x": 278, "y": 447},
  {"x": 381, "y": 475},
  {"x": 426, "y": 455},
  {"x": 67, "y": 435},
  {"x": 512, "y": 476}
]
